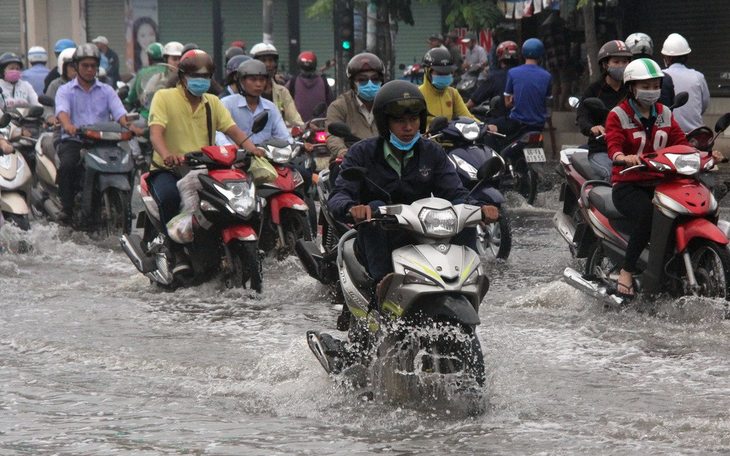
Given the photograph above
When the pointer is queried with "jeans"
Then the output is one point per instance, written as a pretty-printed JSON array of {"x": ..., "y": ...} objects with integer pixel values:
[
  {"x": 601, "y": 164},
  {"x": 163, "y": 186}
]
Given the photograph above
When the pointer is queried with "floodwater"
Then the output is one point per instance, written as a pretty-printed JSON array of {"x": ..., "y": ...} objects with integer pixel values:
[{"x": 95, "y": 360}]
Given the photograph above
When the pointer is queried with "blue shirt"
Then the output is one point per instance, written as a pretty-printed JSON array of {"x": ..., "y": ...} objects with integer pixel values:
[
  {"x": 35, "y": 75},
  {"x": 693, "y": 82},
  {"x": 242, "y": 115},
  {"x": 85, "y": 108},
  {"x": 530, "y": 87}
]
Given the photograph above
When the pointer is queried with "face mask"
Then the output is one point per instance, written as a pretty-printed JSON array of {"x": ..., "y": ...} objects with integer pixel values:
[
  {"x": 198, "y": 86},
  {"x": 616, "y": 73},
  {"x": 400, "y": 144},
  {"x": 647, "y": 97},
  {"x": 12, "y": 76},
  {"x": 367, "y": 92},
  {"x": 442, "y": 82}
]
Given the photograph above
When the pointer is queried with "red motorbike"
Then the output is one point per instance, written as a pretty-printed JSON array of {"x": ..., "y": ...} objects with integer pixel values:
[{"x": 688, "y": 250}]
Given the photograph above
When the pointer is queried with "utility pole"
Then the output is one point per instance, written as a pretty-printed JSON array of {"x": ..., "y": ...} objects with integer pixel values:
[
  {"x": 344, "y": 28},
  {"x": 268, "y": 21},
  {"x": 218, "y": 39},
  {"x": 294, "y": 35}
]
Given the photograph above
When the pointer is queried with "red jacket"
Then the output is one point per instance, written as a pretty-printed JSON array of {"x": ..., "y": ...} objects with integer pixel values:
[{"x": 626, "y": 134}]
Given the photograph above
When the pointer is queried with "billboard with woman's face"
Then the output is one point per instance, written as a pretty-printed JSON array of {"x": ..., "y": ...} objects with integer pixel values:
[{"x": 142, "y": 31}]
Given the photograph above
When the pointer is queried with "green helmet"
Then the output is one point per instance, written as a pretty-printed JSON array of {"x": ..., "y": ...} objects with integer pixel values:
[{"x": 155, "y": 51}]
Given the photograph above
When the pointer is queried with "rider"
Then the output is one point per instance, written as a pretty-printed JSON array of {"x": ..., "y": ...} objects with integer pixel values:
[
  {"x": 494, "y": 84},
  {"x": 441, "y": 98},
  {"x": 355, "y": 107},
  {"x": 612, "y": 59},
  {"x": 642, "y": 47},
  {"x": 408, "y": 167},
  {"x": 61, "y": 45},
  {"x": 232, "y": 75},
  {"x": 309, "y": 88},
  {"x": 180, "y": 123},
  {"x": 37, "y": 57},
  {"x": 82, "y": 101},
  {"x": 155, "y": 53},
  {"x": 275, "y": 91},
  {"x": 635, "y": 128},
  {"x": 14, "y": 90}
]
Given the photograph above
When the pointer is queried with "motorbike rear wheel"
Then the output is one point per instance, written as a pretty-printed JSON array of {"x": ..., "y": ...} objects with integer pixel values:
[
  {"x": 597, "y": 263},
  {"x": 296, "y": 226},
  {"x": 21, "y": 221},
  {"x": 525, "y": 180},
  {"x": 711, "y": 265},
  {"x": 116, "y": 213},
  {"x": 495, "y": 239},
  {"x": 244, "y": 266}
]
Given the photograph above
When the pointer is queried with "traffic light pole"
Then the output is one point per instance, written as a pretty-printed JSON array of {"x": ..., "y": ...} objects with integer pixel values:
[{"x": 343, "y": 26}]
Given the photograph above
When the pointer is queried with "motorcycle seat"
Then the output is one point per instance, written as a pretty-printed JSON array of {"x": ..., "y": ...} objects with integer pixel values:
[
  {"x": 583, "y": 166},
  {"x": 359, "y": 274},
  {"x": 601, "y": 199}
]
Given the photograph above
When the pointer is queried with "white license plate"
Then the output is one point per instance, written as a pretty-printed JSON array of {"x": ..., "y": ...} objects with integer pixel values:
[{"x": 534, "y": 155}]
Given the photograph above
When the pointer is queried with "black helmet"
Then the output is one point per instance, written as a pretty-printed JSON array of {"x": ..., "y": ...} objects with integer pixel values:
[
  {"x": 8, "y": 58},
  {"x": 232, "y": 52},
  {"x": 395, "y": 99},
  {"x": 439, "y": 59},
  {"x": 364, "y": 61},
  {"x": 615, "y": 48},
  {"x": 189, "y": 47},
  {"x": 87, "y": 51}
]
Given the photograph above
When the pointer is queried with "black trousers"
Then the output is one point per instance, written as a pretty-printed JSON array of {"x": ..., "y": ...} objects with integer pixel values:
[
  {"x": 70, "y": 173},
  {"x": 634, "y": 202}
]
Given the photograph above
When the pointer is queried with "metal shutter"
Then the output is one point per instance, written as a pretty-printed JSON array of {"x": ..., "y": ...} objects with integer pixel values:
[
  {"x": 187, "y": 21},
  {"x": 410, "y": 42},
  {"x": 10, "y": 30},
  {"x": 107, "y": 18}
]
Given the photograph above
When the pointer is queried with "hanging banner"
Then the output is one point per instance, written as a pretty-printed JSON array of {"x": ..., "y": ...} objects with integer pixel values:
[{"x": 142, "y": 30}]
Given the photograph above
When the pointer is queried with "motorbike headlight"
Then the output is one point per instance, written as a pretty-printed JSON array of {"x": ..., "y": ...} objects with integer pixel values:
[
  {"x": 470, "y": 131},
  {"x": 413, "y": 277},
  {"x": 687, "y": 164},
  {"x": 241, "y": 197},
  {"x": 473, "y": 278},
  {"x": 279, "y": 154},
  {"x": 465, "y": 166},
  {"x": 438, "y": 222}
]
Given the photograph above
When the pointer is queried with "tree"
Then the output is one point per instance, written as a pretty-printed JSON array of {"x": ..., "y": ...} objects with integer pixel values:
[{"x": 589, "y": 17}]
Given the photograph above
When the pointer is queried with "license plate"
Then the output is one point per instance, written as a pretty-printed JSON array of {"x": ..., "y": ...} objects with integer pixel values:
[{"x": 534, "y": 155}]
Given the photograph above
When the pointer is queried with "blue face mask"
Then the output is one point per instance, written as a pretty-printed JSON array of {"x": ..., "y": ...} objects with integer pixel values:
[
  {"x": 401, "y": 145},
  {"x": 367, "y": 92},
  {"x": 442, "y": 82},
  {"x": 198, "y": 86}
]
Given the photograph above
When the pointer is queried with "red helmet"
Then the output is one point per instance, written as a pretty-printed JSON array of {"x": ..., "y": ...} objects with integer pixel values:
[
  {"x": 507, "y": 50},
  {"x": 307, "y": 61},
  {"x": 196, "y": 61}
]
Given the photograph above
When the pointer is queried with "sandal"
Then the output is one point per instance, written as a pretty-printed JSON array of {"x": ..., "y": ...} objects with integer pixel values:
[{"x": 630, "y": 291}]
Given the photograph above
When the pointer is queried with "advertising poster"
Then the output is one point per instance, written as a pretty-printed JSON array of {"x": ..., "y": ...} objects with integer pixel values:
[{"x": 142, "y": 30}]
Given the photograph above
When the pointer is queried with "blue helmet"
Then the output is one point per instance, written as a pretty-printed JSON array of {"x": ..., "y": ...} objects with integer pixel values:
[
  {"x": 62, "y": 44},
  {"x": 533, "y": 49}
]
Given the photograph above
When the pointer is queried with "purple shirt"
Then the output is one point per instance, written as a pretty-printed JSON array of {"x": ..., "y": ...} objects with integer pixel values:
[{"x": 86, "y": 108}]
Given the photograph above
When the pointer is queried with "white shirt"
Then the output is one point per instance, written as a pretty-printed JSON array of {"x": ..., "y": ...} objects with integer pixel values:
[
  {"x": 693, "y": 82},
  {"x": 19, "y": 93}
]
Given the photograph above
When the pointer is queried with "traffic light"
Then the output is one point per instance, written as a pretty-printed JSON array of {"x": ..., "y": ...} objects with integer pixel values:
[{"x": 346, "y": 23}]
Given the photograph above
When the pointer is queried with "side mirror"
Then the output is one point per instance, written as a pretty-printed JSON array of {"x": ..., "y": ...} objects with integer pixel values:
[
  {"x": 5, "y": 120},
  {"x": 354, "y": 173},
  {"x": 319, "y": 110},
  {"x": 597, "y": 108},
  {"x": 339, "y": 129},
  {"x": 438, "y": 124},
  {"x": 722, "y": 123},
  {"x": 680, "y": 99},
  {"x": 496, "y": 102},
  {"x": 259, "y": 122},
  {"x": 402, "y": 66},
  {"x": 46, "y": 100},
  {"x": 574, "y": 102},
  {"x": 490, "y": 168}
]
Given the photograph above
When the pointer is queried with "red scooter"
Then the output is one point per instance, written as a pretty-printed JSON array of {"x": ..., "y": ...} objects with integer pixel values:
[{"x": 688, "y": 250}]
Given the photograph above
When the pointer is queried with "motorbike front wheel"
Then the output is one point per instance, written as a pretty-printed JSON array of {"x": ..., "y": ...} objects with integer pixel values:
[
  {"x": 116, "y": 213},
  {"x": 296, "y": 226},
  {"x": 711, "y": 265},
  {"x": 525, "y": 180},
  {"x": 495, "y": 239},
  {"x": 244, "y": 266}
]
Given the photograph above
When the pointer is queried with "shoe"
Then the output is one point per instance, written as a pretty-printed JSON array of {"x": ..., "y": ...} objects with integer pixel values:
[
  {"x": 382, "y": 289},
  {"x": 182, "y": 268}
]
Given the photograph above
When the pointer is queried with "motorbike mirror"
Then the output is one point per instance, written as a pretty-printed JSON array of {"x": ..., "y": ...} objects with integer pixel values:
[
  {"x": 5, "y": 120},
  {"x": 574, "y": 102},
  {"x": 259, "y": 122},
  {"x": 296, "y": 130},
  {"x": 35, "y": 111},
  {"x": 680, "y": 99},
  {"x": 47, "y": 100},
  {"x": 319, "y": 110},
  {"x": 339, "y": 129},
  {"x": 437, "y": 124},
  {"x": 354, "y": 173},
  {"x": 495, "y": 102},
  {"x": 722, "y": 123},
  {"x": 123, "y": 92},
  {"x": 490, "y": 168},
  {"x": 402, "y": 66}
]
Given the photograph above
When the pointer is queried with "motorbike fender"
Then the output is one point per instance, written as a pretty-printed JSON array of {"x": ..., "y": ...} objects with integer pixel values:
[
  {"x": 285, "y": 201},
  {"x": 114, "y": 181},
  {"x": 452, "y": 307},
  {"x": 46, "y": 169},
  {"x": 241, "y": 232},
  {"x": 539, "y": 168},
  {"x": 14, "y": 203},
  {"x": 699, "y": 228}
]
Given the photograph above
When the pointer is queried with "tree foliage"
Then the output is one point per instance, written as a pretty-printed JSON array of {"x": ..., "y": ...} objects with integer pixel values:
[{"x": 472, "y": 14}]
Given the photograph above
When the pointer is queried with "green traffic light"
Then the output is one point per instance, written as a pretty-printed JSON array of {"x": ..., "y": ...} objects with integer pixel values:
[{"x": 345, "y": 45}]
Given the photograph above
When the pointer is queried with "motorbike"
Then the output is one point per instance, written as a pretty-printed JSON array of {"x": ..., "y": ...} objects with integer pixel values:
[
  {"x": 285, "y": 218},
  {"x": 687, "y": 252},
  {"x": 314, "y": 133},
  {"x": 15, "y": 179},
  {"x": 220, "y": 236},
  {"x": 459, "y": 138},
  {"x": 468, "y": 82},
  {"x": 426, "y": 321}
]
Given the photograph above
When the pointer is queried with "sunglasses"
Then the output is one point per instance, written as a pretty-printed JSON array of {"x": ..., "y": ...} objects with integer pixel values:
[
  {"x": 402, "y": 107},
  {"x": 362, "y": 80}
]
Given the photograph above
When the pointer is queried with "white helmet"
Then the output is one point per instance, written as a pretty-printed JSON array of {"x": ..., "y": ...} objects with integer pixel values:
[
  {"x": 262, "y": 49},
  {"x": 641, "y": 70},
  {"x": 675, "y": 45},
  {"x": 66, "y": 56},
  {"x": 173, "y": 48},
  {"x": 640, "y": 43},
  {"x": 37, "y": 54}
]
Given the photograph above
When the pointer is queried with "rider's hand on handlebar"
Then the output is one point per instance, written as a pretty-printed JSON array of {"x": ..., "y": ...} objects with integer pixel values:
[
  {"x": 630, "y": 160},
  {"x": 172, "y": 160},
  {"x": 598, "y": 130},
  {"x": 136, "y": 130},
  {"x": 717, "y": 156},
  {"x": 71, "y": 130},
  {"x": 492, "y": 128},
  {"x": 490, "y": 214},
  {"x": 7, "y": 148},
  {"x": 361, "y": 213}
]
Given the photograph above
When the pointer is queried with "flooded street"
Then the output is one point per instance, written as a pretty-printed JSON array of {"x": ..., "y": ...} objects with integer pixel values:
[{"x": 95, "y": 360}]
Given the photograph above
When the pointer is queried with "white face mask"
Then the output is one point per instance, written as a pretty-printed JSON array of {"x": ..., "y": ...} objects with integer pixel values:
[{"x": 647, "y": 97}]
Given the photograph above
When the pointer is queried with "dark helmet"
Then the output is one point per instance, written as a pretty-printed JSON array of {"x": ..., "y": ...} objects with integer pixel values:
[
  {"x": 364, "y": 61},
  {"x": 439, "y": 59},
  {"x": 252, "y": 67},
  {"x": 8, "y": 58},
  {"x": 507, "y": 50},
  {"x": 232, "y": 52},
  {"x": 307, "y": 61},
  {"x": 533, "y": 49},
  {"x": 189, "y": 47},
  {"x": 234, "y": 62},
  {"x": 196, "y": 61},
  {"x": 87, "y": 51},
  {"x": 395, "y": 99},
  {"x": 615, "y": 48}
]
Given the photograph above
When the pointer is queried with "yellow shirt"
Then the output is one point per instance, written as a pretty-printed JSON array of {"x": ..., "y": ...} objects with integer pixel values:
[
  {"x": 185, "y": 130},
  {"x": 447, "y": 103}
]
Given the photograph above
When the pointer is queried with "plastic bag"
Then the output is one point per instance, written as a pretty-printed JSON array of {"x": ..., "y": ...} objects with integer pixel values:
[
  {"x": 188, "y": 187},
  {"x": 180, "y": 228},
  {"x": 262, "y": 171}
]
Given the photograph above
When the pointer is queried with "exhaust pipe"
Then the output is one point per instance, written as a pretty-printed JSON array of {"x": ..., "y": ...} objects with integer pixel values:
[
  {"x": 132, "y": 245},
  {"x": 594, "y": 289}
]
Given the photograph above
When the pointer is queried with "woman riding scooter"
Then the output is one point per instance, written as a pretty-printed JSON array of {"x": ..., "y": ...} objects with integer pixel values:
[{"x": 635, "y": 128}]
